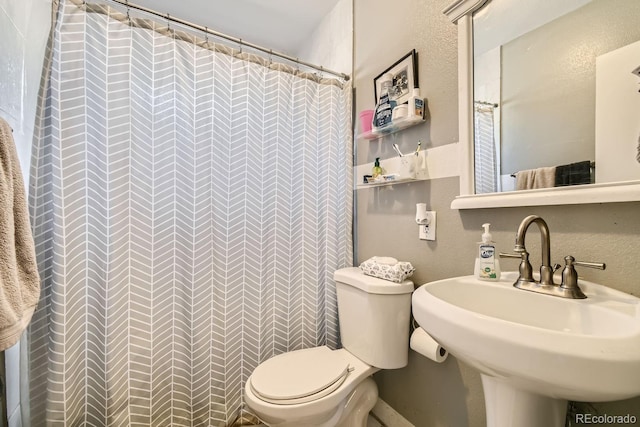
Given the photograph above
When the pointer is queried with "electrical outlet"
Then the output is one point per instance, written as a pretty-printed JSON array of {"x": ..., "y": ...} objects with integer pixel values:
[
  {"x": 422, "y": 233},
  {"x": 428, "y": 232}
]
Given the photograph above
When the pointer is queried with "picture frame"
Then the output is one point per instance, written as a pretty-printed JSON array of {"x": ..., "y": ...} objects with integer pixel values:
[{"x": 405, "y": 78}]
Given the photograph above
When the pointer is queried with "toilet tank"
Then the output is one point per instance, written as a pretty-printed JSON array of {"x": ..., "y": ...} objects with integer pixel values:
[{"x": 374, "y": 317}]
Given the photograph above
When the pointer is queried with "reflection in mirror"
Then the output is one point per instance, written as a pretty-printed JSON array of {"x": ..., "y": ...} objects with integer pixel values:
[{"x": 555, "y": 99}]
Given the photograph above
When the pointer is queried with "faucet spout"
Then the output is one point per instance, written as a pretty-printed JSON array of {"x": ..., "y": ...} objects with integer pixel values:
[
  {"x": 569, "y": 287},
  {"x": 546, "y": 270}
]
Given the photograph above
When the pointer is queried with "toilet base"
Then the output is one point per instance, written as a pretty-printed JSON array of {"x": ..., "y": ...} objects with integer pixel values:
[
  {"x": 359, "y": 404},
  {"x": 353, "y": 411}
]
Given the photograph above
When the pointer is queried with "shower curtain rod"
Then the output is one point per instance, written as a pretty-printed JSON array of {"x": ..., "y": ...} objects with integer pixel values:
[
  {"x": 488, "y": 104},
  {"x": 228, "y": 38}
]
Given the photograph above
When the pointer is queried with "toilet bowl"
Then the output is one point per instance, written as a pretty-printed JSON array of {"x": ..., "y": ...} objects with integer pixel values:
[
  {"x": 321, "y": 387},
  {"x": 292, "y": 399}
]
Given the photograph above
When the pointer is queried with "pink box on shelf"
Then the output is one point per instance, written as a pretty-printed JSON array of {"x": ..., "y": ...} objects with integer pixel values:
[{"x": 366, "y": 119}]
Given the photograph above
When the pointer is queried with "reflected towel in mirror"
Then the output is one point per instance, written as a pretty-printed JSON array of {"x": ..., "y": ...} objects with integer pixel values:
[
  {"x": 573, "y": 174},
  {"x": 536, "y": 178}
]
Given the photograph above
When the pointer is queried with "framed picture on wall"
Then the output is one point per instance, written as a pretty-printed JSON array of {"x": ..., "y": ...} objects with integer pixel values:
[{"x": 405, "y": 78}]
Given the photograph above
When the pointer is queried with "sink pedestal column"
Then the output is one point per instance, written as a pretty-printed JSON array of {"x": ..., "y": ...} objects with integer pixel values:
[{"x": 508, "y": 406}]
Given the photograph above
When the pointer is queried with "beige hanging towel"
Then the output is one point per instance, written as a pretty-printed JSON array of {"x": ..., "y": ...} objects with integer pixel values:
[
  {"x": 19, "y": 279},
  {"x": 536, "y": 178}
]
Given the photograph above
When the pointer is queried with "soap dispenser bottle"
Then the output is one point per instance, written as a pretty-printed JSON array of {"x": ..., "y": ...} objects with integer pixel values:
[
  {"x": 487, "y": 264},
  {"x": 377, "y": 169}
]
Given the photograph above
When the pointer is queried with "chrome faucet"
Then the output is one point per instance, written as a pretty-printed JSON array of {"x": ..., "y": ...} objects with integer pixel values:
[
  {"x": 569, "y": 287},
  {"x": 546, "y": 271}
]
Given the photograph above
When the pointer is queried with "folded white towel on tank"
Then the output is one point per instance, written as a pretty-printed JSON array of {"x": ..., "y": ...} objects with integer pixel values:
[{"x": 387, "y": 268}]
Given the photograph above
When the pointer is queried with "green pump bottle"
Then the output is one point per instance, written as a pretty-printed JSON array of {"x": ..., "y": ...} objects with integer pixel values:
[{"x": 377, "y": 169}]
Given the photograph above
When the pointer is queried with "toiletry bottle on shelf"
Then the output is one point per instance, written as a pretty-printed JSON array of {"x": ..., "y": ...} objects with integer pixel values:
[
  {"x": 416, "y": 104},
  {"x": 487, "y": 264},
  {"x": 384, "y": 108},
  {"x": 377, "y": 169}
]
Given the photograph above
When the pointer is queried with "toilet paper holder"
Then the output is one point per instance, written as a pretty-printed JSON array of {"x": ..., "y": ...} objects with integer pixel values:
[{"x": 421, "y": 342}]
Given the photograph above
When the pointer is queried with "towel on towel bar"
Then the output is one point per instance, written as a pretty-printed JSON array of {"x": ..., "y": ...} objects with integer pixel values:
[
  {"x": 535, "y": 178},
  {"x": 573, "y": 174},
  {"x": 19, "y": 278}
]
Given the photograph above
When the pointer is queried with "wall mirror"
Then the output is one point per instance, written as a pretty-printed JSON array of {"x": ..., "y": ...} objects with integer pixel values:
[{"x": 549, "y": 101}]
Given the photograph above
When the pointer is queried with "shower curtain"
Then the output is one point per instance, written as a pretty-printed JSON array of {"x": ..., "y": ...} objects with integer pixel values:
[
  {"x": 190, "y": 205},
  {"x": 486, "y": 169}
]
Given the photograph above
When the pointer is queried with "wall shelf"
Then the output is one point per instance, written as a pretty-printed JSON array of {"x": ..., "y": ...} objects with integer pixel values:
[
  {"x": 383, "y": 183},
  {"x": 393, "y": 163},
  {"x": 396, "y": 126},
  {"x": 435, "y": 163}
]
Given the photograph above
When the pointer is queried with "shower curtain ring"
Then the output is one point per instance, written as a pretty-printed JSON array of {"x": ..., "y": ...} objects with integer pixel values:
[
  {"x": 206, "y": 35},
  {"x": 126, "y": 3},
  {"x": 168, "y": 22},
  {"x": 270, "y": 57}
]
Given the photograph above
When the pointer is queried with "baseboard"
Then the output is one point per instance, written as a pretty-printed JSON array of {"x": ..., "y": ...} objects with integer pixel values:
[{"x": 389, "y": 416}]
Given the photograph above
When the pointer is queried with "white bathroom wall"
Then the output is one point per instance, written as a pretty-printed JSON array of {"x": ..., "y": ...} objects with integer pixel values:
[
  {"x": 24, "y": 30},
  {"x": 617, "y": 115},
  {"x": 487, "y": 76},
  {"x": 331, "y": 44}
]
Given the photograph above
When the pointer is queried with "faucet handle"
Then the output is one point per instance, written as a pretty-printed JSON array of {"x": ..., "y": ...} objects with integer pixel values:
[
  {"x": 525, "y": 269},
  {"x": 504, "y": 255},
  {"x": 598, "y": 265},
  {"x": 570, "y": 275}
]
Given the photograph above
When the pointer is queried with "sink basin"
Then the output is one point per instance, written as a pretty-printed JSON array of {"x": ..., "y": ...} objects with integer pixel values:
[{"x": 537, "y": 347}]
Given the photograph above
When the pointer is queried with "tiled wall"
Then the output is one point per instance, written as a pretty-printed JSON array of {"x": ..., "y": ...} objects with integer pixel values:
[{"x": 24, "y": 29}]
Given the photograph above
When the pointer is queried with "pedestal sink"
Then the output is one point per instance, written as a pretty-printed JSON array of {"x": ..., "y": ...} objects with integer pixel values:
[{"x": 534, "y": 351}]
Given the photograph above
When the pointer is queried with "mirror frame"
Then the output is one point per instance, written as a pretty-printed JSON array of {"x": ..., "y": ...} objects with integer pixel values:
[{"x": 460, "y": 12}]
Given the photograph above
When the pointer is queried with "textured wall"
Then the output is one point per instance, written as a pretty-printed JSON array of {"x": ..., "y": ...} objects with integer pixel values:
[
  {"x": 385, "y": 32},
  {"x": 450, "y": 394}
]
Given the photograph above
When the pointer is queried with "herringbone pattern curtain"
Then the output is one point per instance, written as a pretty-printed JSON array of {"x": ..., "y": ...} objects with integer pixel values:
[
  {"x": 486, "y": 172},
  {"x": 190, "y": 206}
]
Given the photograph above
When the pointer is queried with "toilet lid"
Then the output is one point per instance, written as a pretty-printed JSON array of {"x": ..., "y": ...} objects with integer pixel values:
[{"x": 299, "y": 376}]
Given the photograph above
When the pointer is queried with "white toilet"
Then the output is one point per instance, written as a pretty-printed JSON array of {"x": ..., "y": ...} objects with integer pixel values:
[{"x": 321, "y": 387}]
